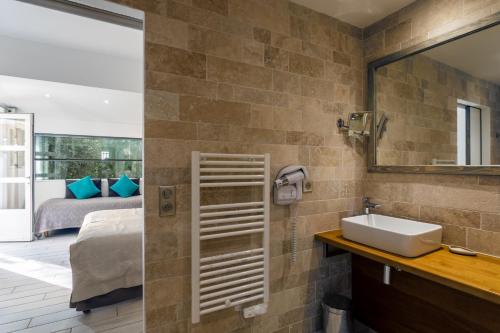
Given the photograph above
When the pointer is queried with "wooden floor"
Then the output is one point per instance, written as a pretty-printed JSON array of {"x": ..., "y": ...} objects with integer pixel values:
[{"x": 35, "y": 286}]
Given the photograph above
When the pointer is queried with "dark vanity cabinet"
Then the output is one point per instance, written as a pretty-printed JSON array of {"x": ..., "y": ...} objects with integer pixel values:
[{"x": 413, "y": 304}]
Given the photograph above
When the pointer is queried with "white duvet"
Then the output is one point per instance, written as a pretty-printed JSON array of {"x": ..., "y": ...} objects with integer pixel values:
[{"x": 107, "y": 254}]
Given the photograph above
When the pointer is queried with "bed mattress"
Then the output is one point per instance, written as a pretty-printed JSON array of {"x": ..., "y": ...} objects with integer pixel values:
[
  {"x": 107, "y": 254},
  {"x": 56, "y": 214}
]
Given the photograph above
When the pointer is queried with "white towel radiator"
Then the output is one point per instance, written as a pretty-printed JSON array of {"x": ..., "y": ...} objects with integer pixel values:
[{"x": 229, "y": 279}]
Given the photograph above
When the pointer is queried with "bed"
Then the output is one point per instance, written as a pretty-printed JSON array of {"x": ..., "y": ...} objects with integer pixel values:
[
  {"x": 58, "y": 213},
  {"x": 106, "y": 258}
]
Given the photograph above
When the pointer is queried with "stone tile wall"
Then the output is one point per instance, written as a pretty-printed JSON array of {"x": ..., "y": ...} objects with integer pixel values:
[
  {"x": 468, "y": 207},
  {"x": 249, "y": 76},
  {"x": 271, "y": 76}
]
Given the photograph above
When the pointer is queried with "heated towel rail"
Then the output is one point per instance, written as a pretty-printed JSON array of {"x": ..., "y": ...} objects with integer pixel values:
[{"x": 235, "y": 278}]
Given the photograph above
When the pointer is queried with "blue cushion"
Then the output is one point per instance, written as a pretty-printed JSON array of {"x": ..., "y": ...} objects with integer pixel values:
[
  {"x": 84, "y": 188},
  {"x": 124, "y": 187}
]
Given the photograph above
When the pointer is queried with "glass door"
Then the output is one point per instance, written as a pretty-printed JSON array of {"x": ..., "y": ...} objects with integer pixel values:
[{"x": 16, "y": 191}]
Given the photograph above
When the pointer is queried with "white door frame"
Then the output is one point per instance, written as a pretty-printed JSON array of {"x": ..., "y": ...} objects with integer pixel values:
[{"x": 17, "y": 224}]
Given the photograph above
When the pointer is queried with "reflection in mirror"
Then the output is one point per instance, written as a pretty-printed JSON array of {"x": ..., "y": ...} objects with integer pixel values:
[{"x": 441, "y": 106}]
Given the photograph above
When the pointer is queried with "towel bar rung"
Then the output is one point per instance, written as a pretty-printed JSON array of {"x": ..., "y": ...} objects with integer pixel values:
[
  {"x": 230, "y": 262},
  {"x": 231, "y": 297},
  {"x": 231, "y": 184},
  {"x": 231, "y": 234},
  {"x": 232, "y": 205},
  {"x": 231, "y": 276},
  {"x": 204, "y": 297},
  {"x": 232, "y": 227},
  {"x": 231, "y": 163},
  {"x": 231, "y": 255},
  {"x": 221, "y": 155},
  {"x": 232, "y": 212},
  {"x": 231, "y": 269},
  {"x": 222, "y": 307},
  {"x": 233, "y": 170},
  {"x": 231, "y": 283},
  {"x": 232, "y": 219}
]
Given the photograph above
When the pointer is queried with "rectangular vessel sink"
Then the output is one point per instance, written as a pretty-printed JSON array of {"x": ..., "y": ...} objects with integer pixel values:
[{"x": 400, "y": 236}]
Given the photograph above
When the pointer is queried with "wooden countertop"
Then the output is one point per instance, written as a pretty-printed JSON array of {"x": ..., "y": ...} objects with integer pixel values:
[{"x": 478, "y": 276}]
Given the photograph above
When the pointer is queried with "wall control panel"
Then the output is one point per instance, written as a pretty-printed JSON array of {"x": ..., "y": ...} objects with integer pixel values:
[{"x": 167, "y": 200}]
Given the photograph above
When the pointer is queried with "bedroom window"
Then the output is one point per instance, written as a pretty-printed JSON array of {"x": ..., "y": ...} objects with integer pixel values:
[{"x": 71, "y": 156}]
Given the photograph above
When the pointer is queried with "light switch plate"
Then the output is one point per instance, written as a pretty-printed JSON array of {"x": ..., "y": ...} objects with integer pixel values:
[{"x": 167, "y": 200}]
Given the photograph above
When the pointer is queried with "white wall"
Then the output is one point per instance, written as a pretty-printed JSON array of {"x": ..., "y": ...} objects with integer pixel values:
[
  {"x": 75, "y": 109},
  {"x": 29, "y": 59}
]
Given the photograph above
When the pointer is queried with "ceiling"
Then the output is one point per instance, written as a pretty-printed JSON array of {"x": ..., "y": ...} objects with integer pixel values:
[
  {"x": 360, "y": 13},
  {"x": 56, "y": 100},
  {"x": 475, "y": 54},
  {"x": 39, "y": 24}
]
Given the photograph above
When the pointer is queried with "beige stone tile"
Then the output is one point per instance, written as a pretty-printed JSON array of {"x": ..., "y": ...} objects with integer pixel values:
[
  {"x": 225, "y": 92},
  {"x": 222, "y": 70},
  {"x": 271, "y": 15},
  {"x": 484, "y": 241},
  {"x": 257, "y": 135},
  {"x": 323, "y": 156},
  {"x": 490, "y": 222},
  {"x": 163, "y": 30},
  {"x": 167, "y": 59},
  {"x": 161, "y": 105},
  {"x": 398, "y": 33},
  {"x": 214, "y": 43},
  {"x": 212, "y": 111},
  {"x": 261, "y": 116},
  {"x": 262, "y": 35},
  {"x": 341, "y": 58},
  {"x": 217, "y": 6},
  {"x": 276, "y": 58},
  {"x": 319, "y": 123},
  {"x": 286, "y": 42},
  {"x": 404, "y": 209},
  {"x": 252, "y": 52},
  {"x": 287, "y": 119},
  {"x": 453, "y": 235},
  {"x": 304, "y": 65},
  {"x": 156, "y": 315},
  {"x": 458, "y": 198},
  {"x": 286, "y": 82},
  {"x": 213, "y": 132},
  {"x": 457, "y": 217},
  {"x": 317, "y": 88},
  {"x": 255, "y": 96},
  {"x": 169, "y": 129},
  {"x": 180, "y": 85},
  {"x": 304, "y": 138},
  {"x": 317, "y": 51}
]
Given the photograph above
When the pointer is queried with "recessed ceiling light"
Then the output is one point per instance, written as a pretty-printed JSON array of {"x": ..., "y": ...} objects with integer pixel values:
[
  {"x": 47, "y": 95},
  {"x": 106, "y": 101}
]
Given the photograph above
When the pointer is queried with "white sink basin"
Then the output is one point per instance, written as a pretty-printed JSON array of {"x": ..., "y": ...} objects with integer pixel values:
[{"x": 400, "y": 236}]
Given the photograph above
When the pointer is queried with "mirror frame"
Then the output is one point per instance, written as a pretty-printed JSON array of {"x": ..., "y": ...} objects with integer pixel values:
[{"x": 482, "y": 24}]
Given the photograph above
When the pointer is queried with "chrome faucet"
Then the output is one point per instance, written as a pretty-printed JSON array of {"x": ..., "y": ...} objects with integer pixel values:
[{"x": 369, "y": 205}]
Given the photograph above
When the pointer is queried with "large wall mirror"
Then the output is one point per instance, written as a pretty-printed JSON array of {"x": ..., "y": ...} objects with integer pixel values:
[{"x": 437, "y": 107}]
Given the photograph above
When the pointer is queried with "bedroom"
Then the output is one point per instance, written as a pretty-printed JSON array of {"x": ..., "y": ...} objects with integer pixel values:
[{"x": 71, "y": 170}]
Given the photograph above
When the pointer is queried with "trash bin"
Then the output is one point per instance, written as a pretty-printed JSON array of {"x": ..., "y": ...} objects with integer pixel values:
[{"x": 337, "y": 316}]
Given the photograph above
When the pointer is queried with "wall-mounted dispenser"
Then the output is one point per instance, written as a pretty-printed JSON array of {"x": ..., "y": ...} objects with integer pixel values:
[
  {"x": 290, "y": 182},
  {"x": 357, "y": 126}
]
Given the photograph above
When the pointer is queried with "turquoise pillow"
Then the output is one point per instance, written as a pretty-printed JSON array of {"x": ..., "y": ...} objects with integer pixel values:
[
  {"x": 124, "y": 187},
  {"x": 83, "y": 188}
]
